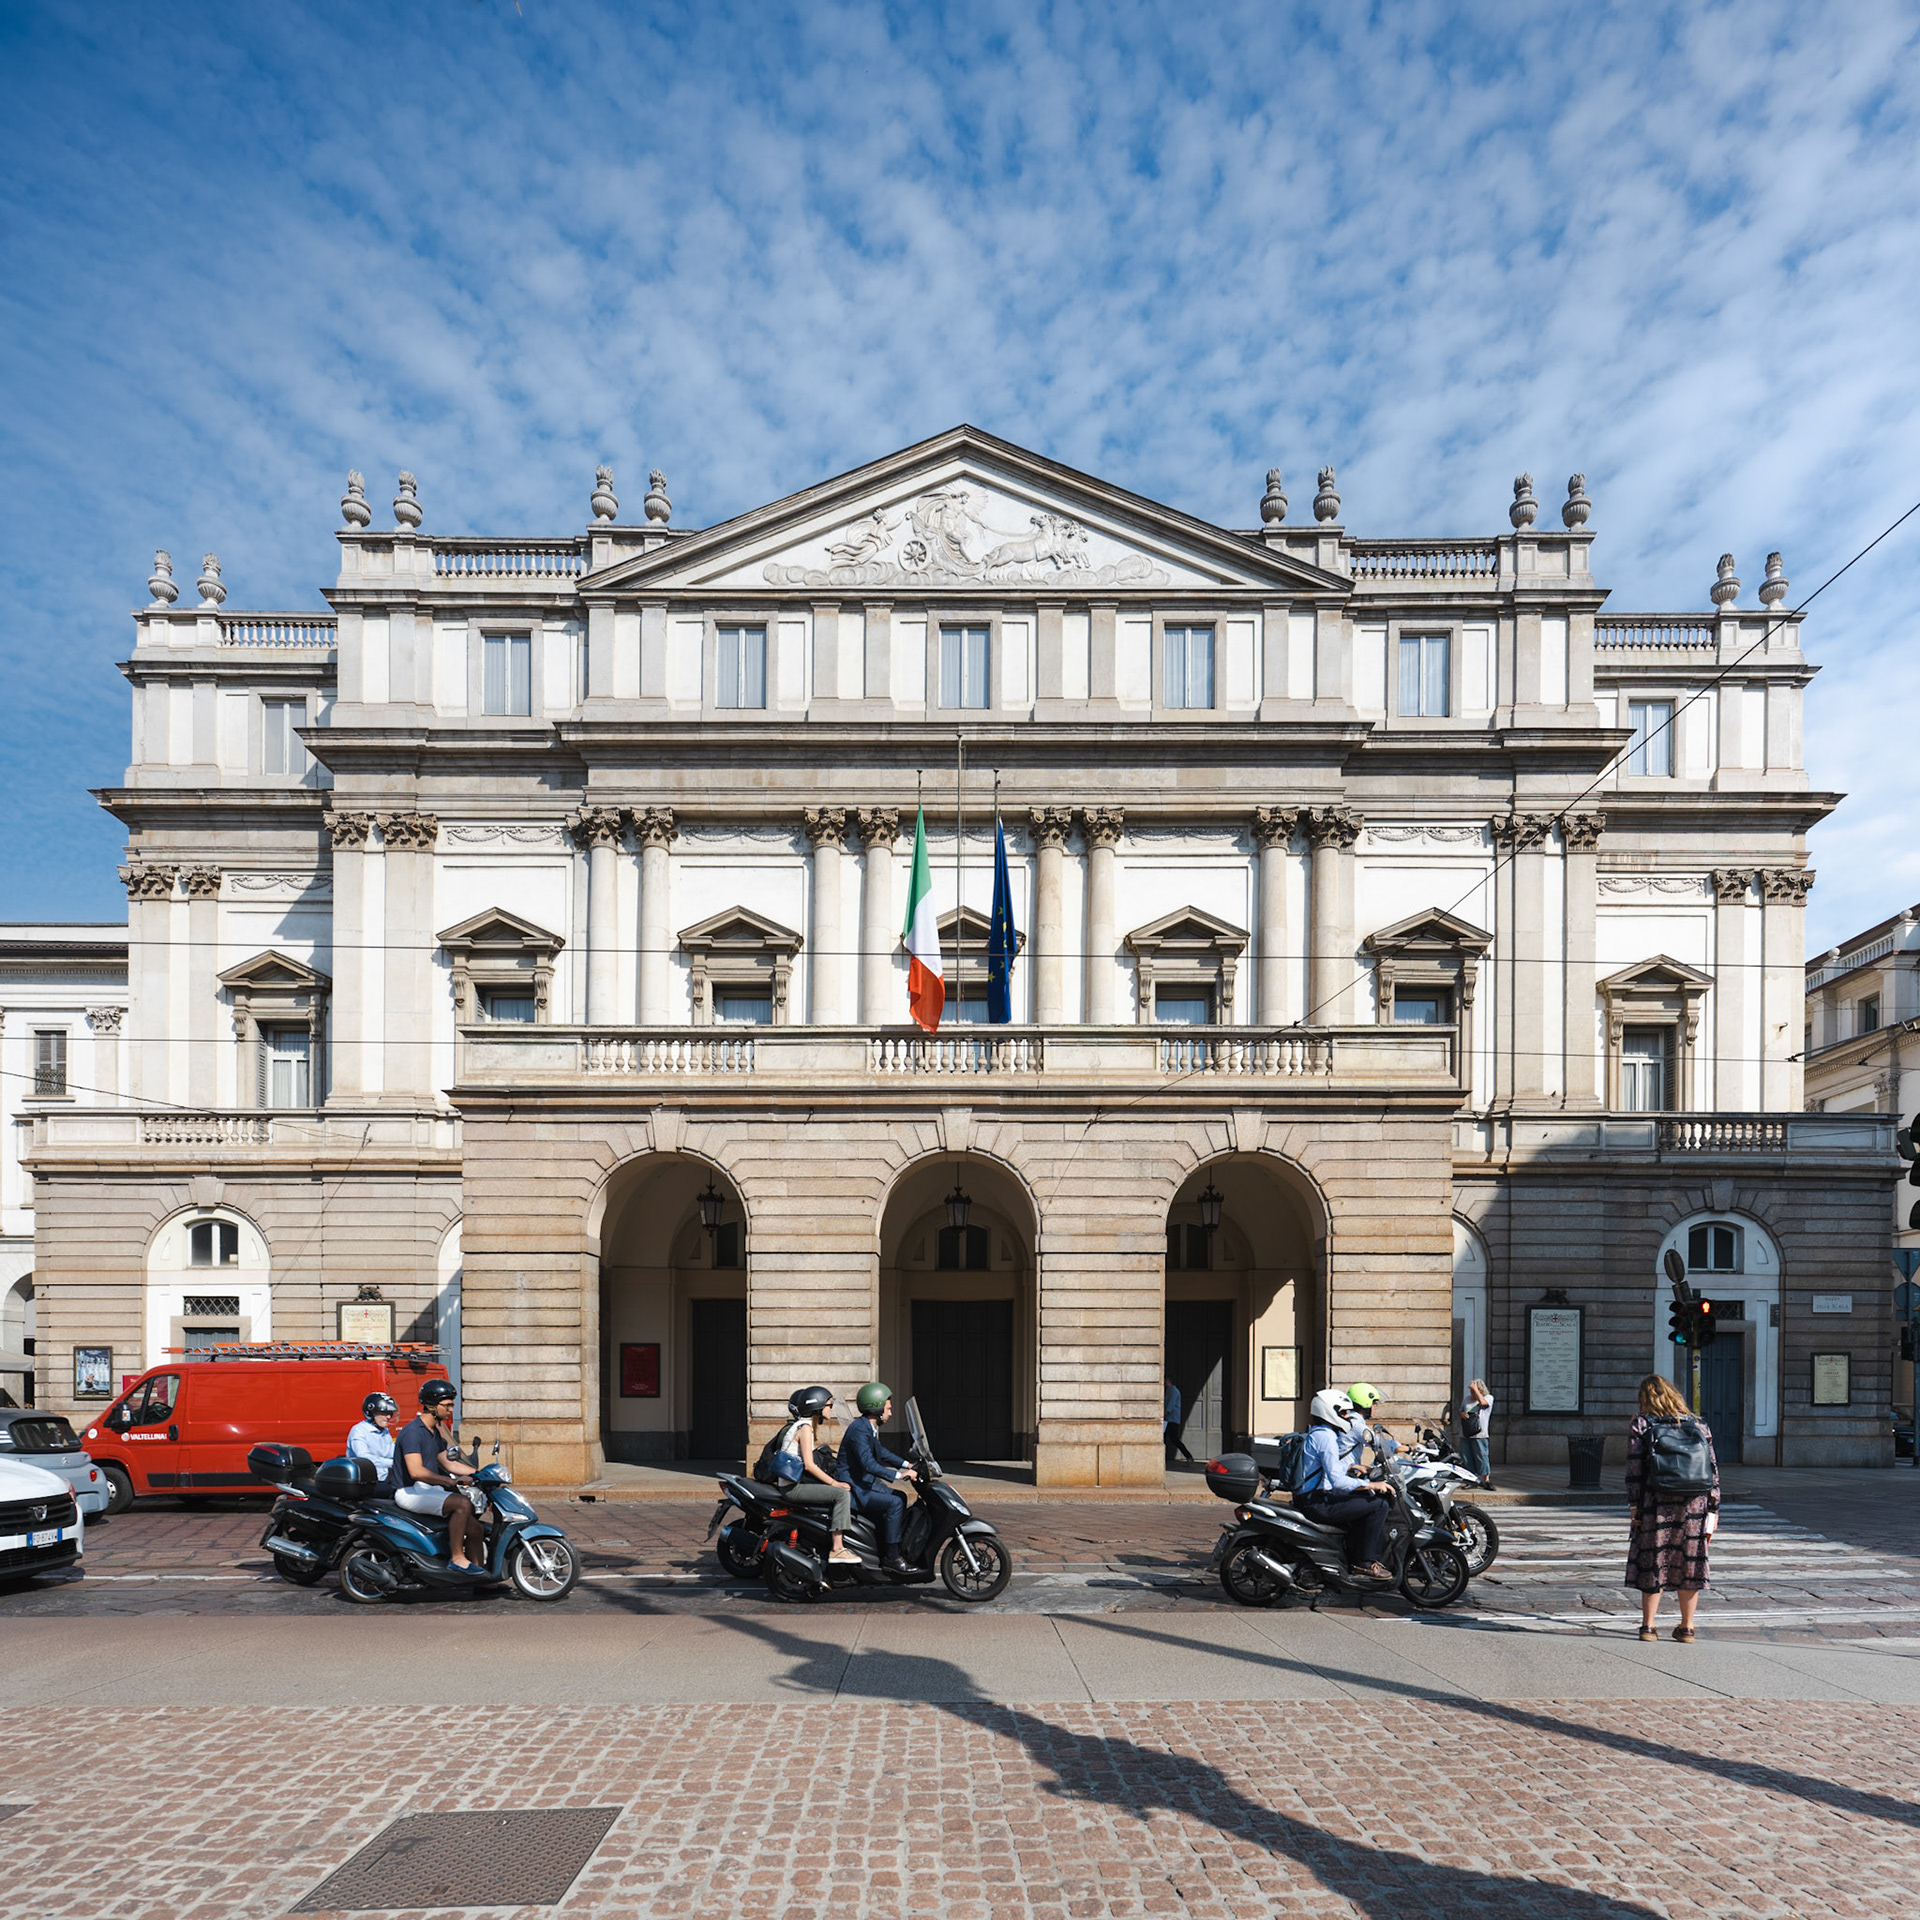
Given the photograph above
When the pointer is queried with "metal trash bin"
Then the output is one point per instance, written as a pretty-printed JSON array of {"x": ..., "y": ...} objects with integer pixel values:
[{"x": 1586, "y": 1454}]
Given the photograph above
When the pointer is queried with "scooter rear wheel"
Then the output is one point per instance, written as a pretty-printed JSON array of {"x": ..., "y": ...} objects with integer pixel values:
[
  {"x": 784, "y": 1584},
  {"x": 297, "y": 1573},
  {"x": 357, "y": 1580},
  {"x": 1246, "y": 1580},
  {"x": 741, "y": 1549},
  {"x": 986, "y": 1581},
  {"x": 1436, "y": 1575},
  {"x": 543, "y": 1569}
]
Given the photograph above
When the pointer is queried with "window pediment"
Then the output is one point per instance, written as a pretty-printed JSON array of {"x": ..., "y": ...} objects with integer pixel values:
[
  {"x": 738, "y": 951},
  {"x": 1190, "y": 949},
  {"x": 496, "y": 950},
  {"x": 272, "y": 973}
]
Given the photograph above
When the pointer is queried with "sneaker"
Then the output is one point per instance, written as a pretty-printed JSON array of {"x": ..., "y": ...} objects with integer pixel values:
[{"x": 843, "y": 1558}]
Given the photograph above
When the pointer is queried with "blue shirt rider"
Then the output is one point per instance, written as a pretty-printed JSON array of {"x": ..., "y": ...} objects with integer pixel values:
[
  {"x": 870, "y": 1471},
  {"x": 1334, "y": 1495},
  {"x": 372, "y": 1438}
]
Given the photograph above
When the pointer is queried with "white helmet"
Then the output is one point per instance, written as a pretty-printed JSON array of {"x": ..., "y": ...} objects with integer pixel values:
[{"x": 1331, "y": 1408}]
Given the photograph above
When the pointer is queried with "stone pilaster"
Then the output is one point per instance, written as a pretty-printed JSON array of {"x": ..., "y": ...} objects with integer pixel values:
[
  {"x": 653, "y": 832},
  {"x": 104, "y": 1024},
  {"x": 598, "y": 831},
  {"x": 1783, "y": 951},
  {"x": 1580, "y": 836},
  {"x": 1736, "y": 1087},
  {"x": 1104, "y": 826},
  {"x": 1331, "y": 833},
  {"x": 202, "y": 888},
  {"x": 879, "y": 1001},
  {"x": 406, "y": 1024},
  {"x": 1051, "y": 825},
  {"x": 149, "y": 888},
  {"x": 1520, "y": 893},
  {"x": 1273, "y": 830},
  {"x": 826, "y": 966},
  {"x": 350, "y": 1073}
]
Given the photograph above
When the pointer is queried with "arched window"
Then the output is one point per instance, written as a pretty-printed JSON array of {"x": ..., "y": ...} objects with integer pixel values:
[
  {"x": 1731, "y": 1260},
  {"x": 208, "y": 1277}
]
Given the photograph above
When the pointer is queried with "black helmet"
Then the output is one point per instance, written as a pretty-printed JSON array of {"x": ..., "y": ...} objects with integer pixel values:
[
  {"x": 809, "y": 1401},
  {"x": 378, "y": 1403},
  {"x": 436, "y": 1393}
]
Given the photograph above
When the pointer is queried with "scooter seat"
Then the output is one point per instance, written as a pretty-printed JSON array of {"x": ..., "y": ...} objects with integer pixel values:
[
  {"x": 772, "y": 1496},
  {"x": 1320, "y": 1527},
  {"x": 392, "y": 1509}
]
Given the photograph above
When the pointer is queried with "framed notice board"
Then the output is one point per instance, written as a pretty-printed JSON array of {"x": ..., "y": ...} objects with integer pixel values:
[
  {"x": 1556, "y": 1373},
  {"x": 640, "y": 1370}
]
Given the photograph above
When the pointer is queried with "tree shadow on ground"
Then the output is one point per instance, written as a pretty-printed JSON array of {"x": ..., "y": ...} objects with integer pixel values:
[{"x": 1385, "y": 1883}]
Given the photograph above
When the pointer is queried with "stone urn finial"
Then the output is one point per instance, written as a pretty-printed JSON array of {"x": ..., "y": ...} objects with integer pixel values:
[
  {"x": 1525, "y": 509},
  {"x": 353, "y": 503},
  {"x": 659, "y": 507},
  {"x": 160, "y": 581},
  {"x": 1326, "y": 503},
  {"x": 1578, "y": 506},
  {"x": 1726, "y": 585},
  {"x": 1273, "y": 503},
  {"x": 212, "y": 588},
  {"x": 1773, "y": 589},
  {"x": 606, "y": 503},
  {"x": 406, "y": 504}
]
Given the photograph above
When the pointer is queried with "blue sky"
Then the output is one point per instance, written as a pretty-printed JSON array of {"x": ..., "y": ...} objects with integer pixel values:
[{"x": 247, "y": 248}]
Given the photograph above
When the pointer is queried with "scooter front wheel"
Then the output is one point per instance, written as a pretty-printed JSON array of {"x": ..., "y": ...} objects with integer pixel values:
[
  {"x": 543, "y": 1569},
  {"x": 1436, "y": 1575},
  {"x": 987, "y": 1578},
  {"x": 361, "y": 1576},
  {"x": 1246, "y": 1580}
]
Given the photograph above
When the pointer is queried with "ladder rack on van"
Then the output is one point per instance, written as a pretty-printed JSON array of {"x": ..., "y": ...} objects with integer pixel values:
[{"x": 413, "y": 1353}]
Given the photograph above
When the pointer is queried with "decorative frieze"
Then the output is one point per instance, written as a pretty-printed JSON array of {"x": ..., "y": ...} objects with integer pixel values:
[
  {"x": 1674, "y": 885},
  {"x": 508, "y": 834},
  {"x": 1438, "y": 836}
]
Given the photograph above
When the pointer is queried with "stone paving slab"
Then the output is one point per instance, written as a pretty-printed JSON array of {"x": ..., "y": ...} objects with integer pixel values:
[{"x": 975, "y": 1810}]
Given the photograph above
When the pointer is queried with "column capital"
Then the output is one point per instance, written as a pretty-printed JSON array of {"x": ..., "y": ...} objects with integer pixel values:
[
  {"x": 105, "y": 1020},
  {"x": 1332, "y": 826},
  {"x": 1581, "y": 832},
  {"x": 595, "y": 827},
  {"x": 1731, "y": 884},
  {"x": 1104, "y": 825},
  {"x": 1518, "y": 832},
  {"x": 1789, "y": 885},
  {"x": 349, "y": 829},
  {"x": 201, "y": 883},
  {"x": 1274, "y": 826},
  {"x": 879, "y": 827},
  {"x": 652, "y": 826},
  {"x": 414, "y": 832},
  {"x": 148, "y": 880},
  {"x": 1050, "y": 825},
  {"x": 827, "y": 827}
]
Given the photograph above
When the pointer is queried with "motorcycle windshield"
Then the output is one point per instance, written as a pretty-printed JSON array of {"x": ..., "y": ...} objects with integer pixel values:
[{"x": 917, "y": 1428}]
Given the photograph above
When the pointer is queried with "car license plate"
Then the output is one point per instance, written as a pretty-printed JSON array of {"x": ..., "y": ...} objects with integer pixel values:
[{"x": 51, "y": 1537}]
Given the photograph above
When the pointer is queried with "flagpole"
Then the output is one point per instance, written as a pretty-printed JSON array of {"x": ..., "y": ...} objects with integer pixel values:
[{"x": 959, "y": 834}]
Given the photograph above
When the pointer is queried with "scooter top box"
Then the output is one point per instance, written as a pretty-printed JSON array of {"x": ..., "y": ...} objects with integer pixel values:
[
  {"x": 345, "y": 1479},
  {"x": 275, "y": 1464},
  {"x": 1234, "y": 1476}
]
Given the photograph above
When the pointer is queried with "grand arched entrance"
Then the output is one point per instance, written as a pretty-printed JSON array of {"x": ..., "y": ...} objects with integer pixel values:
[
  {"x": 957, "y": 1306},
  {"x": 673, "y": 1313},
  {"x": 1245, "y": 1328}
]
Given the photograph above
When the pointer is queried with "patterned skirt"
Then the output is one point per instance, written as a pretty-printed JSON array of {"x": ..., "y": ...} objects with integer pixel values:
[{"x": 1667, "y": 1547}]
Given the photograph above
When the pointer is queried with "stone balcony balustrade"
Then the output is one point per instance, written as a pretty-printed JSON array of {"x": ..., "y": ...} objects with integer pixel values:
[{"x": 1493, "y": 1139}]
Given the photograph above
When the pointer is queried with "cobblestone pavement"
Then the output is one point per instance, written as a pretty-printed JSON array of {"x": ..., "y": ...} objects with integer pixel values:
[
  {"x": 982, "y": 1811},
  {"x": 1559, "y": 1569}
]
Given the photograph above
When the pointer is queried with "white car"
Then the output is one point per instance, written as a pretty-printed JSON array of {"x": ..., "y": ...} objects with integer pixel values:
[
  {"x": 40, "y": 1525},
  {"x": 47, "y": 1440}
]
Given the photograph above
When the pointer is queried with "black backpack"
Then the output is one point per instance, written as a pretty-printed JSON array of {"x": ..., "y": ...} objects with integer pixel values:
[{"x": 1679, "y": 1459}]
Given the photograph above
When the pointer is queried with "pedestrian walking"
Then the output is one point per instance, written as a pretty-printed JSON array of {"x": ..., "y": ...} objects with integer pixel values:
[
  {"x": 1673, "y": 1489},
  {"x": 1172, "y": 1434},
  {"x": 1476, "y": 1414}
]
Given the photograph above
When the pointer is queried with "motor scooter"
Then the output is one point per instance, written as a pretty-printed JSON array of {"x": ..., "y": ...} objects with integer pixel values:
[
  {"x": 1433, "y": 1478},
  {"x": 1268, "y": 1552},
  {"x": 787, "y": 1546}
]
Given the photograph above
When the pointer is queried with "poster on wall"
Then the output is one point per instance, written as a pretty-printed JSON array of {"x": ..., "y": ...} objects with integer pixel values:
[
  {"x": 640, "y": 1370},
  {"x": 367, "y": 1322},
  {"x": 1279, "y": 1373},
  {"x": 92, "y": 1373},
  {"x": 1832, "y": 1379},
  {"x": 1554, "y": 1338}
]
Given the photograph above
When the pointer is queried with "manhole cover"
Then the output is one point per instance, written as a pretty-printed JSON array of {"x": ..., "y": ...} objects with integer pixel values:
[{"x": 526, "y": 1859}]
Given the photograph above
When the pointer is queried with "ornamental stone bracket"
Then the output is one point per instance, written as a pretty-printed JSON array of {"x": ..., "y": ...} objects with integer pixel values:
[
  {"x": 1515, "y": 832},
  {"x": 1580, "y": 832},
  {"x": 1731, "y": 885},
  {"x": 201, "y": 883},
  {"x": 827, "y": 827},
  {"x": 652, "y": 826},
  {"x": 105, "y": 1020},
  {"x": 879, "y": 828}
]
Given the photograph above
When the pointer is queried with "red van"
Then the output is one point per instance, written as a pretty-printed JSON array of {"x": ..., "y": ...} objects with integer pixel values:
[{"x": 185, "y": 1427}]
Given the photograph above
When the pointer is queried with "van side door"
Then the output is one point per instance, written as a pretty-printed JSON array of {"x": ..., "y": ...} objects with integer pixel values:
[{"x": 152, "y": 1432}]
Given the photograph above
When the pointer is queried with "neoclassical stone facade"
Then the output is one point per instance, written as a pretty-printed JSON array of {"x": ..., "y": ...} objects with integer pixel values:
[{"x": 1410, "y": 948}]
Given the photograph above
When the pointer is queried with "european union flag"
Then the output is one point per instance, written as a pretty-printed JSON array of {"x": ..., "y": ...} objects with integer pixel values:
[{"x": 1002, "y": 941}]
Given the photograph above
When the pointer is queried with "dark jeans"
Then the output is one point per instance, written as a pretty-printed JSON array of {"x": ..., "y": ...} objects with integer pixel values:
[
  {"x": 1473, "y": 1449},
  {"x": 1362, "y": 1517},
  {"x": 887, "y": 1510},
  {"x": 1174, "y": 1441}
]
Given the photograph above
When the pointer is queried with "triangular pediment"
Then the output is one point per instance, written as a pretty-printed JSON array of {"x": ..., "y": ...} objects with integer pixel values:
[
  {"x": 1434, "y": 929},
  {"x": 272, "y": 972},
  {"x": 496, "y": 930},
  {"x": 976, "y": 928},
  {"x": 1188, "y": 927},
  {"x": 1660, "y": 974},
  {"x": 964, "y": 512},
  {"x": 740, "y": 929}
]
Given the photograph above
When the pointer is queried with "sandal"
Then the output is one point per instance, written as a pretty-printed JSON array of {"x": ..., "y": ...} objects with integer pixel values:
[
  {"x": 1683, "y": 1634},
  {"x": 1649, "y": 1633}
]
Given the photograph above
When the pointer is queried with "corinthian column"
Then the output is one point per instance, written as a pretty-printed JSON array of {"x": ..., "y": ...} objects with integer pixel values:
[
  {"x": 827, "y": 829},
  {"x": 1733, "y": 1086},
  {"x": 1783, "y": 958},
  {"x": 1331, "y": 832},
  {"x": 353, "y": 937},
  {"x": 202, "y": 886},
  {"x": 879, "y": 829},
  {"x": 1520, "y": 947},
  {"x": 597, "y": 829},
  {"x": 104, "y": 1024},
  {"x": 1103, "y": 828},
  {"x": 1580, "y": 835},
  {"x": 653, "y": 829},
  {"x": 406, "y": 1015},
  {"x": 1051, "y": 826},
  {"x": 1273, "y": 835}
]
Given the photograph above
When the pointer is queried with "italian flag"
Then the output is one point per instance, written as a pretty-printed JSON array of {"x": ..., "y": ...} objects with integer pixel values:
[{"x": 926, "y": 985}]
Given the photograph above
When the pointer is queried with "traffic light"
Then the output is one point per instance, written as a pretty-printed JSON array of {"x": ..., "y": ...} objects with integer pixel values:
[
  {"x": 1704, "y": 1328},
  {"x": 1680, "y": 1317},
  {"x": 1908, "y": 1348}
]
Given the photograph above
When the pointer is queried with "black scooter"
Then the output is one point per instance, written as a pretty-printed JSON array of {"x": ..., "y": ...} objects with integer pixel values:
[
  {"x": 1268, "y": 1552},
  {"x": 787, "y": 1546}
]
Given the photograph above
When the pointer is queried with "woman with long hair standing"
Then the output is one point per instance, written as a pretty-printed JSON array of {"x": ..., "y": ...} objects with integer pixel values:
[{"x": 1667, "y": 1544}]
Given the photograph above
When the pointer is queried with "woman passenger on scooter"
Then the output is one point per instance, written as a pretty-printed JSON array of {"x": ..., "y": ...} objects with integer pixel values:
[
  {"x": 795, "y": 1458},
  {"x": 1335, "y": 1497},
  {"x": 430, "y": 1483}
]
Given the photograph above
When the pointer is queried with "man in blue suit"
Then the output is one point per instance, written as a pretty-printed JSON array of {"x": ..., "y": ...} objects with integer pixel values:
[{"x": 870, "y": 1470}]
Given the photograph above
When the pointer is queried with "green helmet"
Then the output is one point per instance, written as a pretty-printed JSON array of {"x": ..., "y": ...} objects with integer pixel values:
[
  {"x": 873, "y": 1397},
  {"x": 1363, "y": 1396}
]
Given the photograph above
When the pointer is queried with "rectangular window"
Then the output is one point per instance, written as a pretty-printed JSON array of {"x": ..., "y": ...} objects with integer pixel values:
[
  {"x": 740, "y": 667},
  {"x": 1422, "y": 1006},
  {"x": 742, "y": 1007},
  {"x": 50, "y": 1063},
  {"x": 1189, "y": 673},
  {"x": 286, "y": 1067},
  {"x": 973, "y": 1009},
  {"x": 512, "y": 1004},
  {"x": 1183, "y": 1006},
  {"x": 726, "y": 1245},
  {"x": 1713, "y": 1248},
  {"x": 1650, "y": 751},
  {"x": 1425, "y": 659},
  {"x": 1866, "y": 1014},
  {"x": 213, "y": 1243},
  {"x": 963, "y": 666},
  {"x": 963, "y": 1249},
  {"x": 281, "y": 741},
  {"x": 1189, "y": 1249},
  {"x": 1643, "y": 1070},
  {"x": 507, "y": 679}
]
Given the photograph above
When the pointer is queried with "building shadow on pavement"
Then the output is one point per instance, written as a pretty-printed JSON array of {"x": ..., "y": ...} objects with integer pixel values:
[
  {"x": 1384, "y": 1883},
  {"x": 1745, "y": 1773}
]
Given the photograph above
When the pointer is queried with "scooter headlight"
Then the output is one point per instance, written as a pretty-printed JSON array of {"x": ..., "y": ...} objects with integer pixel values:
[{"x": 505, "y": 1480}]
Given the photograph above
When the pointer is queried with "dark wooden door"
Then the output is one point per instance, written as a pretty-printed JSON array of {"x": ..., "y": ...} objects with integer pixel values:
[
  {"x": 718, "y": 1428},
  {"x": 963, "y": 1376},
  {"x": 1200, "y": 1364},
  {"x": 1723, "y": 1395}
]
